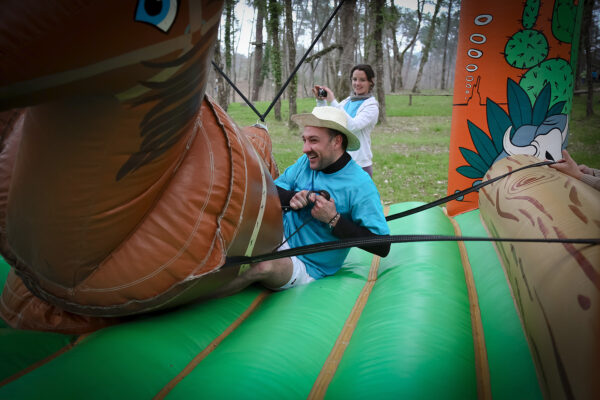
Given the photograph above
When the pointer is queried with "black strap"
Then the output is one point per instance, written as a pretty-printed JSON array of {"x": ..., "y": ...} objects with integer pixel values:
[
  {"x": 345, "y": 243},
  {"x": 289, "y": 79},
  {"x": 365, "y": 241},
  {"x": 461, "y": 193}
]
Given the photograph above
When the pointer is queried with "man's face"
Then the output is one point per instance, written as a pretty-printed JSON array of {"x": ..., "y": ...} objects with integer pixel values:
[{"x": 320, "y": 148}]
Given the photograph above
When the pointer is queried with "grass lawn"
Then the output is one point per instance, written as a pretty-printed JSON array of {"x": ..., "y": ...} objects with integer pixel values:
[{"x": 411, "y": 148}]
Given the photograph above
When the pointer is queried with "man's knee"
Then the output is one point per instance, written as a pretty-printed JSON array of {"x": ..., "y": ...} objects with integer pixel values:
[
  {"x": 272, "y": 273},
  {"x": 262, "y": 270}
]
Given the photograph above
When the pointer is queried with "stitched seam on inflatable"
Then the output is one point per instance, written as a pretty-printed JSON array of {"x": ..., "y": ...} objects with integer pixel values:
[
  {"x": 3, "y": 303},
  {"x": 41, "y": 362},
  {"x": 482, "y": 369},
  {"x": 244, "y": 201},
  {"x": 261, "y": 210},
  {"x": 337, "y": 352},
  {"x": 231, "y": 185},
  {"x": 211, "y": 346}
]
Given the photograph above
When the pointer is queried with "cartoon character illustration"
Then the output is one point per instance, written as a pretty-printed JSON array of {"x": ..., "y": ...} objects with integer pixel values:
[
  {"x": 539, "y": 130},
  {"x": 538, "y": 105}
]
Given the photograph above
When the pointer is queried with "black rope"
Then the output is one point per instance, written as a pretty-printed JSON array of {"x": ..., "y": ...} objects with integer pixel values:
[
  {"x": 323, "y": 193},
  {"x": 303, "y": 58},
  {"x": 289, "y": 79},
  {"x": 237, "y": 90},
  {"x": 293, "y": 233},
  {"x": 367, "y": 241},
  {"x": 461, "y": 193}
]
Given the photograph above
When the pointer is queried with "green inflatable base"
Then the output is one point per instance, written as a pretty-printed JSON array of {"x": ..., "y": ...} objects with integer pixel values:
[{"x": 410, "y": 338}]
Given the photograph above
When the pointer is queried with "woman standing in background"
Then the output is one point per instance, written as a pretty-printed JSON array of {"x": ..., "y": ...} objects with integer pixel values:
[{"x": 361, "y": 108}]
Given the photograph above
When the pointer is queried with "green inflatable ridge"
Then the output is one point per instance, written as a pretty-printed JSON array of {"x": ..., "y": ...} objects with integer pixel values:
[{"x": 412, "y": 340}]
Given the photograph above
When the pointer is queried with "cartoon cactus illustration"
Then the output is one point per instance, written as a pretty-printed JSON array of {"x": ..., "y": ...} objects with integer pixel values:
[
  {"x": 530, "y": 13},
  {"x": 526, "y": 48},
  {"x": 556, "y": 72},
  {"x": 538, "y": 129},
  {"x": 564, "y": 19}
]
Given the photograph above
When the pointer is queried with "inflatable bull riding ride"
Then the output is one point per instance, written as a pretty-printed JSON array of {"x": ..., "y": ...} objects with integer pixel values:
[{"x": 124, "y": 190}]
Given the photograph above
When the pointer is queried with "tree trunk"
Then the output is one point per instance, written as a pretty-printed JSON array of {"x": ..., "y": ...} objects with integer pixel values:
[
  {"x": 222, "y": 97},
  {"x": 227, "y": 39},
  {"x": 587, "y": 33},
  {"x": 368, "y": 30},
  {"x": 410, "y": 45},
  {"x": 391, "y": 65},
  {"x": 427, "y": 47},
  {"x": 394, "y": 75},
  {"x": 443, "y": 85},
  {"x": 328, "y": 68},
  {"x": 273, "y": 29},
  {"x": 377, "y": 12},
  {"x": 409, "y": 63},
  {"x": 313, "y": 32},
  {"x": 348, "y": 45},
  {"x": 250, "y": 60},
  {"x": 258, "y": 77},
  {"x": 333, "y": 59},
  {"x": 581, "y": 59},
  {"x": 291, "y": 45}
]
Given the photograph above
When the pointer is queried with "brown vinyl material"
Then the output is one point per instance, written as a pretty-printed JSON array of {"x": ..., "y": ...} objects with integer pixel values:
[
  {"x": 556, "y": 287},
  {"x": 125, "y": 188}
]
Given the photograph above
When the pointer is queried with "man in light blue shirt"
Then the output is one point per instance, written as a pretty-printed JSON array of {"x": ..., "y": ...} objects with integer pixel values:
[{"x": 332, "y": 198}]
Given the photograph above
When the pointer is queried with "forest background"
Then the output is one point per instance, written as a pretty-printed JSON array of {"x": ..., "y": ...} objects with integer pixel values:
[{"x": 412, "y": 46}]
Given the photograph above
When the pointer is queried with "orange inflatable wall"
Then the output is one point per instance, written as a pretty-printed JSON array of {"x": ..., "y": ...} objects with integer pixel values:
[{"x": 513, "y": 86}]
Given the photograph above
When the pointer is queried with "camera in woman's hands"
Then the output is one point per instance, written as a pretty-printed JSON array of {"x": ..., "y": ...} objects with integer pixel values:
[{"x": 322, "y": 92}]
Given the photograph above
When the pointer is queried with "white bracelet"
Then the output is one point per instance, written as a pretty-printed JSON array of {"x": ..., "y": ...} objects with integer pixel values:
[{"x": 333, "y": 220}]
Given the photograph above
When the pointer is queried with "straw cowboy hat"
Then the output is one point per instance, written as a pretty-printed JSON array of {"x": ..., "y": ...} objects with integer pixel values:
[{"x": 329, "y": 117}]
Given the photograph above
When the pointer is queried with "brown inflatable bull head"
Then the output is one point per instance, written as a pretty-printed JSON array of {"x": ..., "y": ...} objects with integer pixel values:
[{"x": 122, "y": 188}]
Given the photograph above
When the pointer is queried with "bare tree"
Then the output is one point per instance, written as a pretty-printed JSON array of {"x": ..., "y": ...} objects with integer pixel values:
[
  {"x": 258, "y": 77},
  {"x": 393, "y": 17},
  {"x": 448, "y": 20},
  {"x": 427, "y": 46},
  {"x": 328, "y": 62},
  {"x": 389, "y": 59},
  {"x": 377, "y": 12},
  {"x": 368, "y": 32},
  {"x": 273, "y": 30},
  {"x": 399, "y": 56},
  {"x": 342, "y": 45},
  {"x": 329, "y": 59},
  {"x": 228, "y": 41},
  {"x": 313, "y": 32},
  {"x": 348, "y": 44},
  {"x": 222, "y": 86},
  {"x": 587, "y": 28},
  {"x": 291, "y": 46}
]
